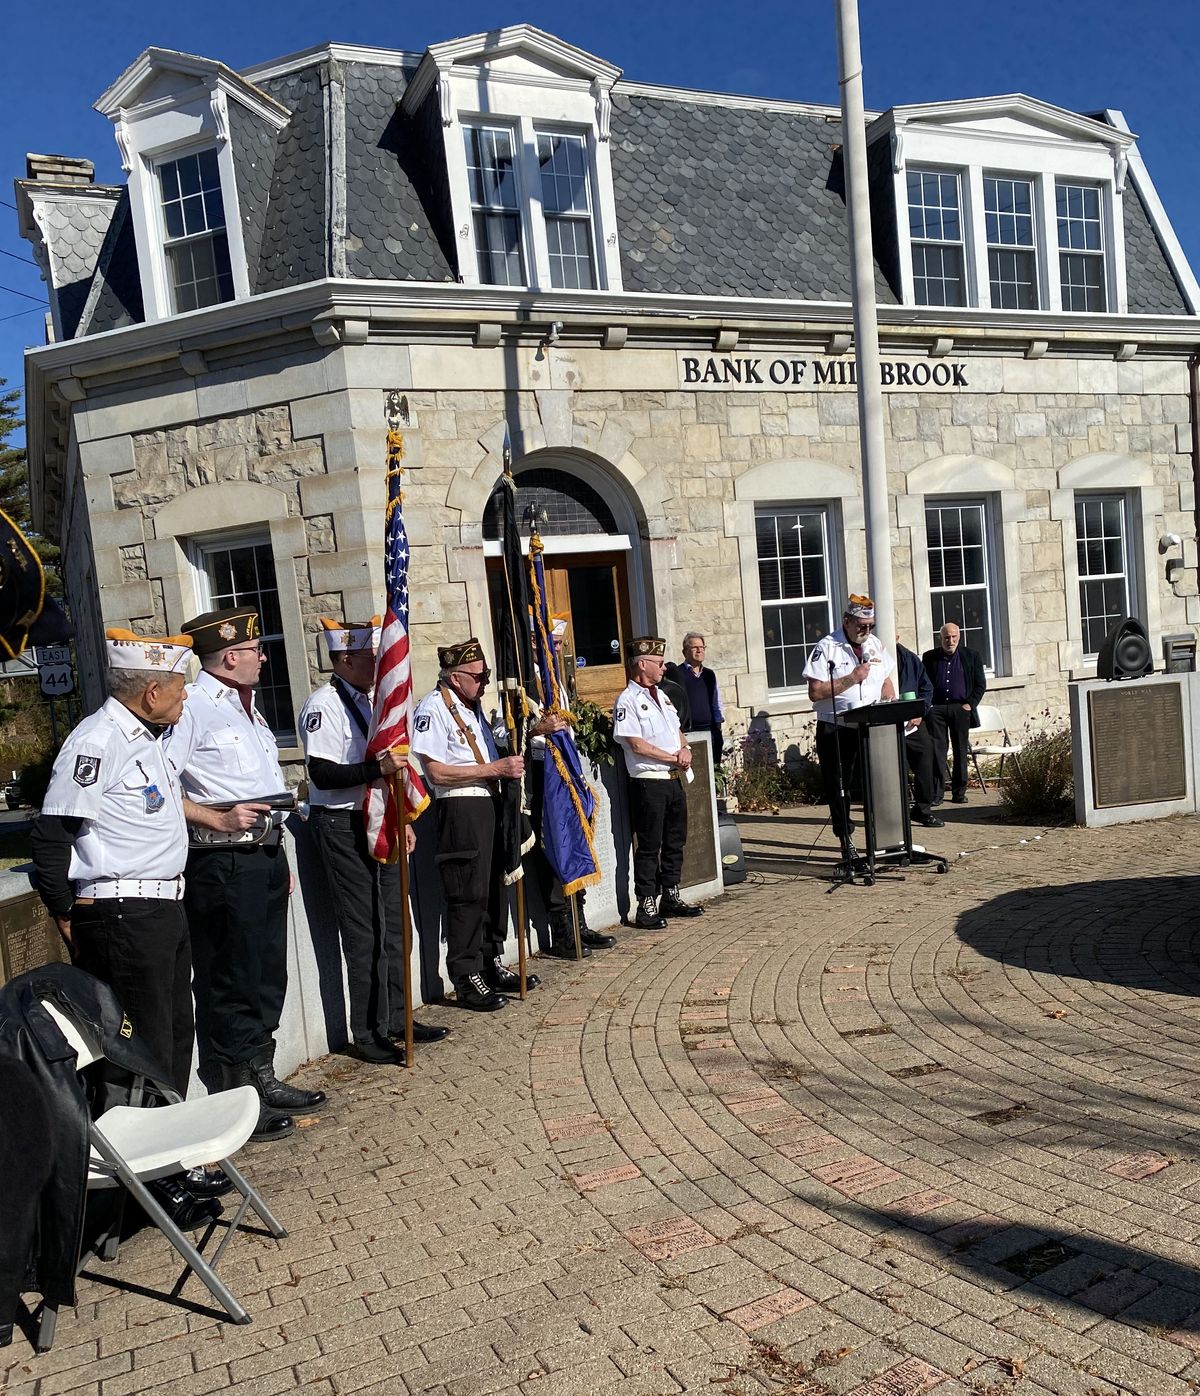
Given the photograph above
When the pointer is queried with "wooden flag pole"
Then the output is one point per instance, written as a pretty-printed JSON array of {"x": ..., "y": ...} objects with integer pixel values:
[{"x": 397, "y": 782}]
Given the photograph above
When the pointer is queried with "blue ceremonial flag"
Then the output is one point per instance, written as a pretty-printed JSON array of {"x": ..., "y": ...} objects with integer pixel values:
[{"x": 568, "y": 801}]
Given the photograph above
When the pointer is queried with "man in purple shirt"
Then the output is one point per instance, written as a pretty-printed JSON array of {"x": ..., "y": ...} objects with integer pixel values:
[{"x": 959, "y": 682}]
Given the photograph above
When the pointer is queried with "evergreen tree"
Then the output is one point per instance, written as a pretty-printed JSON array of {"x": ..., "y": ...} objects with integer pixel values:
[{"x": 14, "y": 484}]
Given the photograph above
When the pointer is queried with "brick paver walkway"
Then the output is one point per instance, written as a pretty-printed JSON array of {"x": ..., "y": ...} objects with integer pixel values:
[{"x": 936, "y": 1135}]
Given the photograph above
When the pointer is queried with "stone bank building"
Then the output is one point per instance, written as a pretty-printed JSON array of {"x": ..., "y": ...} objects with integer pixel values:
[{"x": 650, "y": 287}]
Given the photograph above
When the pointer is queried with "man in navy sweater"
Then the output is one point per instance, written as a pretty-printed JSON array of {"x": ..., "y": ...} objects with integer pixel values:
[
  {"x": 959, "y": 682},
  {"x": 703, "y": 692}
]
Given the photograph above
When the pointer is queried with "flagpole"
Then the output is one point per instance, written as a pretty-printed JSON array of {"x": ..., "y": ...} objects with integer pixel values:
[{"x": 397, "y": 782}]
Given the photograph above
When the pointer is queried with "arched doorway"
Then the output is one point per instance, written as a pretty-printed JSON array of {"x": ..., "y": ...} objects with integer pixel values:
[{"x": 588, "y": 530}]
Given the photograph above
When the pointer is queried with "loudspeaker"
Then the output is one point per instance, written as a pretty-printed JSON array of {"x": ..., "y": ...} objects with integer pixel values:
[
  {"x": 1125, "y": 653},
  {"x": 733, "y": 860}
]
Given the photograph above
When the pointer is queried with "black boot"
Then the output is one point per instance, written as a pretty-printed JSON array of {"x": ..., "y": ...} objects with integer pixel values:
[
  {"x": 672, "y": 904},
  {"x": 184, "y": 1209},
  {"x": 271, "y": 1123},
  {"x": 562, "y": 943},
  {"x": 276, "y": 1093},
  {"x": 648, "y": 918},
  {"x": 589, "y": 939}
]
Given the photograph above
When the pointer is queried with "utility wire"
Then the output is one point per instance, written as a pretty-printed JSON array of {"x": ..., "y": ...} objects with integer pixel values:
[
  {"x": 17, "y": 257},
  {"x": 18, "y": 313},
  {"x": 12, "y": 291}
]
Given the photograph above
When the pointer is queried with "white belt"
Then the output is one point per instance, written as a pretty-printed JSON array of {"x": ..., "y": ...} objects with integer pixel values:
[
  {"x": 654, "y": 775},
  {"x": 465, "y": 792},
  {"x": 146, "y": 888}
]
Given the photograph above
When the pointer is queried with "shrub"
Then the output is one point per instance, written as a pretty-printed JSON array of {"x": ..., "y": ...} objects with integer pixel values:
[
  {"x": 753, "y": 775},
  {"x": 593, "y": 732},
  {"x": 1042, "y": 786}
]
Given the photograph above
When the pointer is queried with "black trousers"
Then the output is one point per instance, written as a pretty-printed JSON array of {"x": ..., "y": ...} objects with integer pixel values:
[
  {"x": 658, "y": 809},
  {"x": 139, "y": 947},
  {"x": 918, "y": 747},
  {"x": 949, "y": 723},
  {"x": 237, "y": 903},
  {"x": 829, "y": 738},
  {"x": 469, "y": 862},
  {"x": 367, "y": 908}
]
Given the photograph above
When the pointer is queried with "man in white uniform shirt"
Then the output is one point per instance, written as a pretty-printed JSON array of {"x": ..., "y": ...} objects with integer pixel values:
[
  {"x": 658, "y": 760},
  {"x": 463, "y": 768},
  {"x": 334, "y": 724},
  {"x": 847, "y": 669},
  {"x": 110, "y": 846},
  {"x": 237, "y": 885}
]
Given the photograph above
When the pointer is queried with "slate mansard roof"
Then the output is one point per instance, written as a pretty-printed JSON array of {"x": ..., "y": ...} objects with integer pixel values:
[{"x": 713, "y": 197}]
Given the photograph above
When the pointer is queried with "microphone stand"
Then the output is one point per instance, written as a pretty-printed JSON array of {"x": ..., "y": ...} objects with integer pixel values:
[{"x": 847, "y": 864}]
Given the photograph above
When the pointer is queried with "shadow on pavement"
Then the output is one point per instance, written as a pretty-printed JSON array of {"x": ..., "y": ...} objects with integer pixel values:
[{"x": 1140, "y": 933}]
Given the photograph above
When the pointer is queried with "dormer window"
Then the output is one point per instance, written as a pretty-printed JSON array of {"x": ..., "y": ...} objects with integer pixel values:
[
  {"x": 1009, "y": 215},
  {"x": 935, "y": 226},
  {"x": 525, "y": 122},
  {"x": 1081, "y": 247},
  {"x": 194, "y": 236}
]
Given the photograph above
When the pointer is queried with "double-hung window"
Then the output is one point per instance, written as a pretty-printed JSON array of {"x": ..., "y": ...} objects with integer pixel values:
[
  {"x": 1082, "y": 273},
  {"x": 796, "y": 585},
  {"x": 566, "y": 208},
  {"x": 1105, "y": 579},
  {"x": 194, "y": 237},
  {"x": 240, "y": 571},
  {"x": 936, "y": 231},
  {"x": 960, "y": 580},
  {"x": 495, "y": 205},
  {"x": 1009, "y": 217}
]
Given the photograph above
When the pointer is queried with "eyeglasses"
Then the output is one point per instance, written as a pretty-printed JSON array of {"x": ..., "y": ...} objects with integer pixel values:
[
  {"x": 248, "y": 649},
  {"x": 479, "y": 678}
]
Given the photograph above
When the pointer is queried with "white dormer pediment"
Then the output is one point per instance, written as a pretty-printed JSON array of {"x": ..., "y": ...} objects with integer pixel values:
[
  {"x": 159, "y": 79},
  {"x": 1013, "y": 118},
  {"x": 517, "y": 55}
]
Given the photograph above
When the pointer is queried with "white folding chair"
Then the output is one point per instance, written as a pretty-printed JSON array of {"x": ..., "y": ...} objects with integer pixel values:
[
  {"x": 132, "y": 1145},
  {"x": 982, "y": 742}
]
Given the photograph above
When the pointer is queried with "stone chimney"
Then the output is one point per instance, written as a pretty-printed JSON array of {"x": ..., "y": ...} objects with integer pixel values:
[{"x": 59, "y": 169}]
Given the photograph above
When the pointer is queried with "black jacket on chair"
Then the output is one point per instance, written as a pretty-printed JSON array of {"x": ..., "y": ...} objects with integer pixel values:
[
  {"x": 973, "y": 673},
  {"x": 28, "y": 1033}
]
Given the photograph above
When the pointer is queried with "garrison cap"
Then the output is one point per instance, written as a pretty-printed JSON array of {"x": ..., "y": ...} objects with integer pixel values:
[
  {"x": 646, "y": 647},
  {"x": 168, "y": 655},
  {"x": 343, "y": 635},
  {"x": 860, "y": 607},
  {"x": 455, "y": 656},
  {"x": 218, "y": 630}
]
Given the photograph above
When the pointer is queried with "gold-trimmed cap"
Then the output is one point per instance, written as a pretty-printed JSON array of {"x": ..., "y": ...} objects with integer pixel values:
[
  {"x": 860, "y": 607},
  {"x": 168, "y": 655},
  {"x": 455, "y": 656},
  {"x": 646, "y": 647},
  {"x": 218, "y": 630},
  {"x": 343, "y": 635}
]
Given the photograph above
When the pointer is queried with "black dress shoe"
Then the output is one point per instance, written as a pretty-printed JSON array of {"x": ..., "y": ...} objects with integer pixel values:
[
  {"x": 206, "y": 1182},
  {"x": 595, "y": 940},
  {"x": 648, "y": 918},
  {"x": 938, "y": 800},
  {"x": 499, "y": 976},
  {"x": 959, "y": 799},
  {"x": 184, "y": 1210},
  {"x": 672, "y": 904},
  {"x": 428, "y": 1032},
  {"x": 473, "y": 993},
  {"x": 562, "y": 947},
  {"x": 927, "y": 819},
  {"x": 378, "y": 1051}
]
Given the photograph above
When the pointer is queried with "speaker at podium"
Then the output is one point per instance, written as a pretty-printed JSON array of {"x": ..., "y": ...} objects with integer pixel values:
[{"x": 1125, "y": 653}]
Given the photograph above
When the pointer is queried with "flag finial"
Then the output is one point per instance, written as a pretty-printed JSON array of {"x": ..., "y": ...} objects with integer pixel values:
[{"x": 507, "y": 450}]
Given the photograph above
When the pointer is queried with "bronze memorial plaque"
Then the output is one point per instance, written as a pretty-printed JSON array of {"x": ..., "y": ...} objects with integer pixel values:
[
  {"x": 1138, "y": 753},
  {"x": 699, "y": 856},
  {"x": 28, "y": 937}
]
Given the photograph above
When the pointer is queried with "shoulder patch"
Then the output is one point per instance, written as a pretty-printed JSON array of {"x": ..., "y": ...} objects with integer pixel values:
[
  {"x": 620, "y": 714},
  {"x": 313, "y": 721},
  {"x": 87, "y": 770},
  {"x": 423, "y": 723}
]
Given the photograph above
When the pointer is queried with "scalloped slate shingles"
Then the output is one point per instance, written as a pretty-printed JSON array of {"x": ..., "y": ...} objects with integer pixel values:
[
  {"x": 74, "y": 235},
  {"x": 390, "y": 183},
  {"x": 1151, "y": 283},
  {"x": 119, "y": 295},
  {"x": 293, "y": 242},
  {"x": 730, "y": 201},
  {"x": 253, "y": 143}
]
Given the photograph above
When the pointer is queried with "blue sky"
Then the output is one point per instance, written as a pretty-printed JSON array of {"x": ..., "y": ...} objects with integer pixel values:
[{"x": 1079, "y": 54}]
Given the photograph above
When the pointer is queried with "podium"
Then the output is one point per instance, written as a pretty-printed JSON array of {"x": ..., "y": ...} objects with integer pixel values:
[{"x": 884, "y": 766}]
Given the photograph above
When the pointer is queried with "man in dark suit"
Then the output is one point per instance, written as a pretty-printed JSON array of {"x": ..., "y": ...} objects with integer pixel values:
[
  {"x": 918, "y": 744},
  {"x": 959, "y": 682}
]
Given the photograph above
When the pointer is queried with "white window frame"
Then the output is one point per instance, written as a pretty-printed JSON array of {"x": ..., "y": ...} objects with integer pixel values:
[
  {"x": 963, "y": 245},
  {"x": 830, "y": 532},
  {"x": 1101, "y": 253},
  {"x": 522, "y": 209},
  {"x": 989, "y": 585},
  {"x": 1039, "y": 260},
  {"x": 1128, "y": 574},
  {"x": 202, "y": 547},
  {"x": 996, "y": 145},
  {"x": 165, "y": 242}
]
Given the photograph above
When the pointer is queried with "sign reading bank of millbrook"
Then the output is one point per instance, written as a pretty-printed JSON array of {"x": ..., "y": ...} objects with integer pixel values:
[{"x": 762, "y": 372}]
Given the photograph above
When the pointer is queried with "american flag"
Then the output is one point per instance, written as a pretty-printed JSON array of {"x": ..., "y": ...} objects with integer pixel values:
[{"x": 391, "y": 719}]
